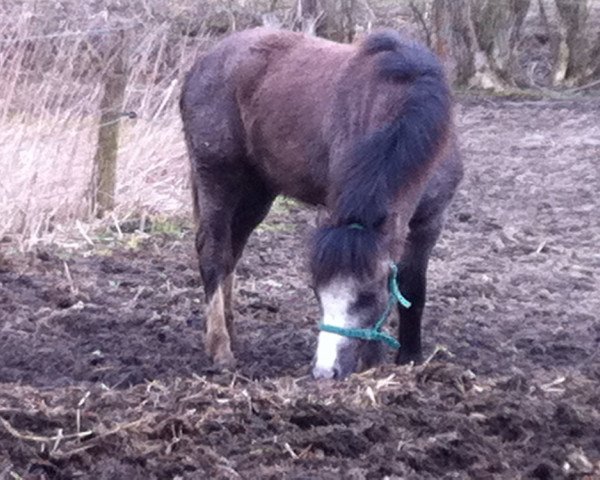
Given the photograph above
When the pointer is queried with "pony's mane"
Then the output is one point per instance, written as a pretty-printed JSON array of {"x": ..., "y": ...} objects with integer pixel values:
[{"x": 381, "y": 164}]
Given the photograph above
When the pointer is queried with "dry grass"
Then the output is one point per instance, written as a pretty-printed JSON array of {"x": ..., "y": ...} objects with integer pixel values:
[
  {"x": 51, "y": 77},
  {"x": 49, "y": 122},
  {"x": 47, "y": 167}
]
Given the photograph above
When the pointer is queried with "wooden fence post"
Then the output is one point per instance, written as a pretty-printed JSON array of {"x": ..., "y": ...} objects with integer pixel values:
[{"x": 104, "y": 176}]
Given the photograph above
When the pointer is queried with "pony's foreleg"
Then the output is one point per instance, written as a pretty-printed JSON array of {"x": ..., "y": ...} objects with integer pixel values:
[{"x": 412, "y": 280}]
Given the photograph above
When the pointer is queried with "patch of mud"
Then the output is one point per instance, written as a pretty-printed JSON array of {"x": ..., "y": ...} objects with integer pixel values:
[{"x": 110, "y": 340}]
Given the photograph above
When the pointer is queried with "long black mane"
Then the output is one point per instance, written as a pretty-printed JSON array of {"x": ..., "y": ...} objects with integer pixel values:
[{"x": 381, "y": 164}]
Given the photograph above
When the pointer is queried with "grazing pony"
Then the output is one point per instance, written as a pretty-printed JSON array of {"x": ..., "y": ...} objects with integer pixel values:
[{"x": 364, "y": 130}]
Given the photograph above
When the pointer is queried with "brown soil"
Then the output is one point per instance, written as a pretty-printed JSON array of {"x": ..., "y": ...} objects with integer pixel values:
[{"x": 103, "y": 375}]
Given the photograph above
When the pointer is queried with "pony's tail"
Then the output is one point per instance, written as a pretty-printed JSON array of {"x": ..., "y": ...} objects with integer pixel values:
[{"x": 383, "y": 164}]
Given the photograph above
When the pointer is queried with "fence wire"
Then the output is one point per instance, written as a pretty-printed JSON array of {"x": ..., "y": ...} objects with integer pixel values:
[{"x": 73, "y": 33}]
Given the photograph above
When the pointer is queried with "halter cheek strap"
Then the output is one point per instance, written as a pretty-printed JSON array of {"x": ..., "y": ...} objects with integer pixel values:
[{"x": 375, "y": 333}]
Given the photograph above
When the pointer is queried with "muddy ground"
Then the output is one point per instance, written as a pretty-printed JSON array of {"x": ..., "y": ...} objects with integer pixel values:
[{"x": 103, "y": 375}]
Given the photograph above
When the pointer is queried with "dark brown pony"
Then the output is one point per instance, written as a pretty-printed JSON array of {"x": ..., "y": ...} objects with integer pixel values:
[{"x": 364, "y": 130}]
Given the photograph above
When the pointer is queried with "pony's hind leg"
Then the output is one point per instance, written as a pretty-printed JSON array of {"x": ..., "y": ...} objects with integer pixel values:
[
  {"x": 214, "y": 307},
  {"x": 228, "y": 289},
  {"x": 254, "y": 204},
  {"x": 213, "y": 245},
  {"x": 225, "y": 226}
]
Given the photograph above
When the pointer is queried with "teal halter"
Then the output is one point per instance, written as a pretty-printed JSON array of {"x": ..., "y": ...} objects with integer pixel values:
[
  {"x": 375, "y": 332},
  {"x": 356, "y": 226}
]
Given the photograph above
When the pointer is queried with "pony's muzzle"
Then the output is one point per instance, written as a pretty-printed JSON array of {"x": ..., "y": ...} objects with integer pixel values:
[{"x": 326, "y": 373}]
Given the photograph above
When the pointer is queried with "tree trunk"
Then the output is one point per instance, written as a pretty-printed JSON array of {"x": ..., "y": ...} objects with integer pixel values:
[
  {"x": 497, "y": 25},
  {"x": 573, "y": 55},
  {"x": 574, "y": 52},
  {"x": 332, "y": 19},
  {"x": 595, "y": 59},
  {"x": 420, "y": 12},
  {"x": 455, "y": 41},
  {"x": 309, "y": 16},
  {"x": 348, "y": 20}
]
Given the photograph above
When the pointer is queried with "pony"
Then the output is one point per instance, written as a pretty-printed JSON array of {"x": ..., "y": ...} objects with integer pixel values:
[{"x": 364, "y": 131}]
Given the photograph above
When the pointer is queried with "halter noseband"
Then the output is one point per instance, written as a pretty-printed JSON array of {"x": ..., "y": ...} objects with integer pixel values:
[{"x": 375, "y": 333}]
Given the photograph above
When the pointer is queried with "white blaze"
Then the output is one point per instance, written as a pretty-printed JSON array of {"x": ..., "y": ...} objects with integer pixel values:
[{"x": 335, "y": 302}]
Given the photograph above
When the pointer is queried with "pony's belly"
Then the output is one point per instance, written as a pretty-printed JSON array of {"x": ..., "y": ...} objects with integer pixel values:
[
  {"x": 297, "y": 183},
  {"x": 299, "y": 172},
  {"x": 307, "y": 192}
]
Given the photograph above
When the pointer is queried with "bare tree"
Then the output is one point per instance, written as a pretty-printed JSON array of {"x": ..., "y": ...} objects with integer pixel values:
[
  {"x": 595, "y": 58},
  {"x": 573, "y": 60},
  {"x": 574, "y": 52},
  {"x": 478, "y": 39},
  {"x": 454, "y": 39},
  {"x": 308, "y": 15},
  {"x": 421, "y": 11},
  {"x": 348, "y": 8},
  {"x": 497, "y": 25},
  {"x": 333, "y": 19}
]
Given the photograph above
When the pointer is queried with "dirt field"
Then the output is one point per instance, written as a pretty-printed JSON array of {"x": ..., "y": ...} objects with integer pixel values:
[{"x": 103, "y": 375}]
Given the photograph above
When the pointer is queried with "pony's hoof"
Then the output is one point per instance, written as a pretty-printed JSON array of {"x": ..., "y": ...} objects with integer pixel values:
[{"x": 406, "y": 358}]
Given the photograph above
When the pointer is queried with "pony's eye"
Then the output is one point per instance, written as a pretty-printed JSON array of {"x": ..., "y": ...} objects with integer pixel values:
[{"x": 364, "y": 300}]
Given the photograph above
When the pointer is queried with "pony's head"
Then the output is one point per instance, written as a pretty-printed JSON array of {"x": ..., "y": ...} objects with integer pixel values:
[{"x": 350, "y": 270}]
